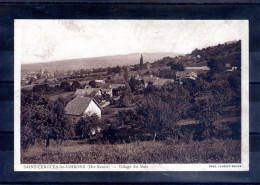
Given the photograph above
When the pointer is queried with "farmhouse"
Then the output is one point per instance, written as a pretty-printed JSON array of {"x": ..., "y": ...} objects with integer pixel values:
[
  {"x": 99, "y": 81},
  {"x": 203, "y": 68},
  {"x": 81, "y": 106},
  {"x": 116, "y": 86},
  {"x": 186, "y": 74},
  {"x": 230, "y": 68},
  {"x": 158, "y": 82}
]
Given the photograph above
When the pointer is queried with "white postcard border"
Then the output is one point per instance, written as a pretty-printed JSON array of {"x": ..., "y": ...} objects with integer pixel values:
[{"x": 243, "y": 166}]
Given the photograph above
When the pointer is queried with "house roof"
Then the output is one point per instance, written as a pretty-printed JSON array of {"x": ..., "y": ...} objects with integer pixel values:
[
  {"x": 185, "y": 74},
  {"x": 160, "y": 82},
  {"x": 197, "y": 68},
  {"x": 99, "y": 81},
  {"x": 78, "y": 105},
  {"x": 115, "y": 86}
]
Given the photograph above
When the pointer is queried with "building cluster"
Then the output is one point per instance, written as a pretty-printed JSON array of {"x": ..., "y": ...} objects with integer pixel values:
[
  {"x": 191, "y": 71},
  {"x": 34, "y": 78},
  {"x": 88, "y": 94},
  {"x": 91, "y": 100}
]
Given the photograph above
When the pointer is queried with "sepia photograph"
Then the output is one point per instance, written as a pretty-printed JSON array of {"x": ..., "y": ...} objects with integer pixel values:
[{"x": 131, "y": 95}]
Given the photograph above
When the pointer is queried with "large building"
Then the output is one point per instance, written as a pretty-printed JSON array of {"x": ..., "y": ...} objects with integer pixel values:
[{"x": 80, "y": 106}]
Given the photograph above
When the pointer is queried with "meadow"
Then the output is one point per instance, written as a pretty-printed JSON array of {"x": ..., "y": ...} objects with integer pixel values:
[{"x": 169, "y": 151}]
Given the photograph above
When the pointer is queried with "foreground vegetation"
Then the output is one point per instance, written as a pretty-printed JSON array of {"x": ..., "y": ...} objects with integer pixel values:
[{"x": 170, "y": 151}]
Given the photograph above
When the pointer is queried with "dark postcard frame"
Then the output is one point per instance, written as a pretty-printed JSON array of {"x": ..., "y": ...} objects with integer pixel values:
[{"x": 122, "y": 10}]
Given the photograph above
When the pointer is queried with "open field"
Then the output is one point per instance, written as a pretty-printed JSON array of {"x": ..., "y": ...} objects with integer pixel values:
[
  {"x": 57, "y": 95},
  {"x": 169, "y": 151}
]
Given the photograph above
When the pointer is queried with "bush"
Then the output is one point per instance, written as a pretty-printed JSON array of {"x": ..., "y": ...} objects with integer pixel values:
[{"x": 88, "y": 126}]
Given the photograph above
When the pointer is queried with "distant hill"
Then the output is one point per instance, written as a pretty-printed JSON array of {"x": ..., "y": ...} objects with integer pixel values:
[
  {"x": 96, "y": 62},
  {"x": 229, "y": 52}
]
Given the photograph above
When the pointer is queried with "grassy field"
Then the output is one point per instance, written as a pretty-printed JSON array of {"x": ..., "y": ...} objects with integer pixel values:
[
  {"x": 170, "y": 151},
  {"x": 55, "y": 96}
]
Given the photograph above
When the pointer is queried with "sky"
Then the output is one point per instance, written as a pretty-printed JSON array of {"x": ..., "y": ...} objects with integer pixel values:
[{"x": 50, "y": 40}]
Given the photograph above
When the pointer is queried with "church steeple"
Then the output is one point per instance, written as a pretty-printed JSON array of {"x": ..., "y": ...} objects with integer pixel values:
[{"x": 141, "y": 62}]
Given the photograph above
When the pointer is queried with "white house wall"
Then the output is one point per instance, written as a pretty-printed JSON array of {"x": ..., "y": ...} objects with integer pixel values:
[{"x": 93, "y": 109}]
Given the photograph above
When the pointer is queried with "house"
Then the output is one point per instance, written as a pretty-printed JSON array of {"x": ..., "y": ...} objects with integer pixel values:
[
  {"x": 147, "y": 65},
  {"x": 128, "y": 68},
  {"x": 233, "y": 68},
  {"x": 99, "y": 81},
  {"x": 116, "y": 86},
  {"x": 116, "y": 89},
  {"x": 227, "y": 65},
  {"x": 197, "y": 66},
  {"x": 81, "y": 106},
  {"x": 203, "y": 68},
  {"x": 158, "y": 82},
  {"x": 88, "y": 92},
  {"x": 230, "y": 68},
  {"x": 186, "y": 74}
]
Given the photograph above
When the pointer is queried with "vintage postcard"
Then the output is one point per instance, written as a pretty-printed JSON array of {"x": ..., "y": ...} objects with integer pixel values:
[{"x": 131, "y": 95}]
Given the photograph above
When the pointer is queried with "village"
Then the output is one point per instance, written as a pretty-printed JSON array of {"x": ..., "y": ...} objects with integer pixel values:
[
  {"x": 94, "y": 92},
  {"x": 146, "y": 101}
]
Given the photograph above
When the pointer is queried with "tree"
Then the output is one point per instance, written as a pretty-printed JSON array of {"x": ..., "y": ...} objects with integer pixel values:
[
  {"x": 87, "y": 125},
  {"x": 126, "y": 73},
  {"x": 60, "y": 126},
  {"x": 82, "y": 72},
  {"x": 134, "y": 84},
  {"x": 216, "y": 65},
  {"x": 161, "y": 108},
  {"x": 38, "y": 75},
  {"x": 126, "y": 91},
  {"x": 206, "y": 112},
  {"x": 75, "y": 85},
  {"x": 170, "y": 74},
  {"x": 65, "y": 86},
  {"x": 211, "y": 96},
  {"x": 109, "y": 71},
  {"x": 177, "y": 67},
  {"x": 41, "y": 88},
  {"x": 31, "y": 80},
  {"x": 92, "y": 84},
  {"x": 116, "y": 69},
  {"x": 42, "y": 119},
  {"x": 154, "y": 115}
]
